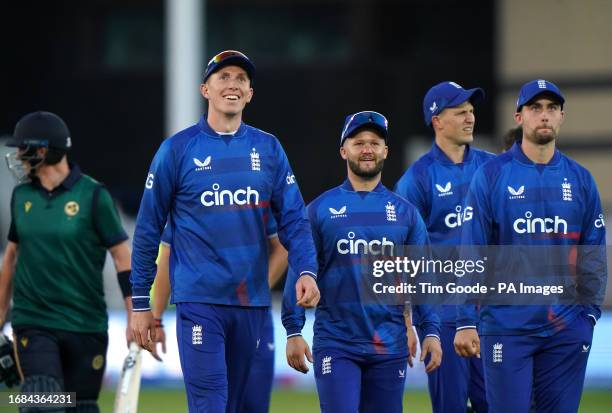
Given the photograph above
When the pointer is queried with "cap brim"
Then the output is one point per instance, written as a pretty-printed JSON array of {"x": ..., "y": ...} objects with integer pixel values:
[
  {"x": 371, "y": 125},
  {"x": 472, "y": 95},
  {"x": 538, "y": 93},
  {"x": 235, "y": 61}
]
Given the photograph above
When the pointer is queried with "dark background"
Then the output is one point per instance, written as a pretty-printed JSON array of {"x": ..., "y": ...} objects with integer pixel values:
[{"x": 100, "y": 65}]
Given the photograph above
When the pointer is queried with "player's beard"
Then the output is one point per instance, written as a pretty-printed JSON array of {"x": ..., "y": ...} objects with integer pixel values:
[
  {"x": 366, "y": 174},
  {"x": 540, "y": 139}
]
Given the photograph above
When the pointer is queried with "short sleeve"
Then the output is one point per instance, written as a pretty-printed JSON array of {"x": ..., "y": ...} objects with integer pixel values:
[{"x": 106, "y": 218}]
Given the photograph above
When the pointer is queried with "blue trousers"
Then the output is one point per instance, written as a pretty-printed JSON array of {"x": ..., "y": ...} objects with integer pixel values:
[
  {"x": 217, "y": 344},
  {"x": 259, "y": 384},
  {"x": 349, "y": 382},
  {"x": 456, "y": 380},
  {"x": 551, "y": 369}
]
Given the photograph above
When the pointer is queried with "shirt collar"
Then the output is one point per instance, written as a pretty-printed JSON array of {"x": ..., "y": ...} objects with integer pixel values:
[
  {"x": 347, "y": 186},
  {"x": 206, "y": 129},
  {"x": 440, "y": 156},
  {"x": 73, "y": 176},
  {"x": 519, "y": 155}
]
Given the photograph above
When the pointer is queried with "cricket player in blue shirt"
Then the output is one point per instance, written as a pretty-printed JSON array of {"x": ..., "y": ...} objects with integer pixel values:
[
  {"x": 436, "y": 184},
  {"x": 258, "y": 389},
  {"x": 214, "y": 182},
  {"x": 360, "y": 350},
  {"x": 534, "y": 195}
]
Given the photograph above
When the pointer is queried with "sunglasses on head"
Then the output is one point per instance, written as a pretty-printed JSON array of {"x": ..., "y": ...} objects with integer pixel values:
[
  {"x": 225, "y": 54},
  {"x": 364, "y": 118}
]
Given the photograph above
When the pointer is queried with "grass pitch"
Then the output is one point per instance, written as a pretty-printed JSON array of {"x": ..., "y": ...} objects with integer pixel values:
[
  {"x": 161, "y": 401},
  {"x": 283, "y": 401}
]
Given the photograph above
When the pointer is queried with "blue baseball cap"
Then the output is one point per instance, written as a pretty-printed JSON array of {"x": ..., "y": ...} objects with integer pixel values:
[
  {"x": 536, "y": 87},
  {"x": 447, "y": 95},
  {"x": 227, "y": 58},
  {"x": 367, "y": 118}
]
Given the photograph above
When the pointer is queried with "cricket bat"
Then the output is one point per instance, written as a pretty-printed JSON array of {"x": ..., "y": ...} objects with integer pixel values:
[{"x": 128, "y": 390}]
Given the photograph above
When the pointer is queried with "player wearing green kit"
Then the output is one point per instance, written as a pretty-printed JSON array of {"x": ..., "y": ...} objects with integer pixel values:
[{"x": 62, "y": 223}]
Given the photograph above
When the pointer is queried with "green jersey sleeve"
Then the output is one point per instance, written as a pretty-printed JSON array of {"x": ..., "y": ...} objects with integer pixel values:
[{"x": 106, "y": 218}]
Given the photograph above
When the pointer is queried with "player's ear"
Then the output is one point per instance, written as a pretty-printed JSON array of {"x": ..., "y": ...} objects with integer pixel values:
[
  {"x": 343, "y": 152},
  {"x": 250, "y": 95},
  {"x": 518, "y": 117},
  {"x": 435, "y": 122},
  {"x": 204, "y": 90},
  {"x": 386, "y": 152}
]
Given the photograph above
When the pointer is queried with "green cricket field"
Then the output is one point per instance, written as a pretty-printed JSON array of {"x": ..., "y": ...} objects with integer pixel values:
[{"x": 283, "y": 401}]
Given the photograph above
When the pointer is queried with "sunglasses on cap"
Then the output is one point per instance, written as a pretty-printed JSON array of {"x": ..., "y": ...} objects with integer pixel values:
[
  {"x": 225, "y": 54},
  {"x": 230, "y": 57},
  {"x": 367, "y": 118}
]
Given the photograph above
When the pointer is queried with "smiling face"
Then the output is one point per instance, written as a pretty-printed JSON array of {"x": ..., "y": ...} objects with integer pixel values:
[
  {"x": 455, "y": 124},
  {"x": 365, "y": 153},
  {"x": 541, "y": 120},
  {"x": 228, "y": 90}
]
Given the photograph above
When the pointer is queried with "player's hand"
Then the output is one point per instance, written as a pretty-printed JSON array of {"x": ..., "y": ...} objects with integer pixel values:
[
  {"x": 129, "y": 333},
  {"x": 431, "y": 345},
  {"x": 307, "y": 292},
  {"x": 160, "y": 338},
  {"x": 412, "y": 345},
  {"x": 467, "y": 343},
  {"x": 297, "y": 348},
  {"x": 143, "y": 328}
]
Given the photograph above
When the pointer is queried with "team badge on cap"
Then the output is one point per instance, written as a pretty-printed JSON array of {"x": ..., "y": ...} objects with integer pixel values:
[
  {"x": 536, "y": 87},
  {"x": 447, "y": 95}
]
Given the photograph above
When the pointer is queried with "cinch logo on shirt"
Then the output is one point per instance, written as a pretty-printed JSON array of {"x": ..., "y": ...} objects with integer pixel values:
[
  {"x": 455, "y": 219},
  {"x": 226, "y": 197},
  {"x": 600, "y": 223},
  {"x": 529, "y": 225},
  {"x": 362, "y": 246},
  {"x": 444, "y": 190}
]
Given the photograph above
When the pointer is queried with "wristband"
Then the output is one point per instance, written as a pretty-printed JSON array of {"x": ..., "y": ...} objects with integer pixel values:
[
  {"x": 124, "y": 283},
  {"x": 158, "y": 322}
]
